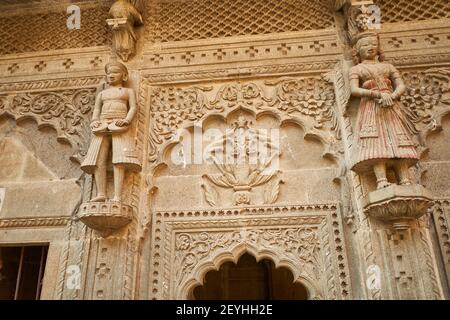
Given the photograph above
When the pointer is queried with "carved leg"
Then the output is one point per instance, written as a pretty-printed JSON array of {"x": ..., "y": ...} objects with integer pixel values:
[
  {"x": 380, "y": 173},
  {"x": 402, "y": 170},
  {"x": 100, "y": 172},
  {"x": 119, "y": 174}
]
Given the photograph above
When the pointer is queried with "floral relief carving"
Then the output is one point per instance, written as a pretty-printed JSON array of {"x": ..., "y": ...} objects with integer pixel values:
[
  {"x": 174, "y": 107},
  {"x": 67, "y": 111},
  {"x": 428, "y": 97},
  {"x": 300, "y": 244},
  {"x": 246, "y": 158},
  {"x": 310, "y": 97}
]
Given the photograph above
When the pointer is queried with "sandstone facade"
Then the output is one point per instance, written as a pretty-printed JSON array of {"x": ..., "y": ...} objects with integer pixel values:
[{"x": 208, "y": 77}]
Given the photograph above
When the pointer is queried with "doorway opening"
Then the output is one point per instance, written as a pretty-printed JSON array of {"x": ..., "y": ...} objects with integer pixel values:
[
  {"x": 21, "y": 272},
  {"x": 250, "y": 280}
]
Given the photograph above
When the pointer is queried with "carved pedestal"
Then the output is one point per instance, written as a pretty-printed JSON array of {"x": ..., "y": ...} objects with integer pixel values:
[
  {"x": 105, "y": 217},
  {"x": 398, "y": 204}
]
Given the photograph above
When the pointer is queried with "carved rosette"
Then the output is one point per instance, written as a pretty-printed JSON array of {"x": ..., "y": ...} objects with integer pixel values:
[
  {"x": 105, "y": 217},
  {"x": 398, "y": 204}
]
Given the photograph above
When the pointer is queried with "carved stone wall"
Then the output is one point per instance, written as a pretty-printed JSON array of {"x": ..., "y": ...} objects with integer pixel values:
[
  {"x": 183, "y": 20},
  {"x": 228, "y": 65},
  {"x": 403, "y": 10},
  {"x": 45, "y": 29}
]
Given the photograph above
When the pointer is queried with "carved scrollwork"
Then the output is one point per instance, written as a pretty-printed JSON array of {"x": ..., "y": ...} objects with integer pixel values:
[
  {"x": 310, "y": 99},
  {"x": 67, "y": 111},
  {"x": 427, "y": 99},
  {"x": 300, "y": 244}
]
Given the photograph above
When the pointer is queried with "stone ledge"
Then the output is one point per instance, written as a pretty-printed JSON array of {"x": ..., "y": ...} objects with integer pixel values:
[
  {"x": 398, "y": 203},
  {"x": 105, "y": 217}
]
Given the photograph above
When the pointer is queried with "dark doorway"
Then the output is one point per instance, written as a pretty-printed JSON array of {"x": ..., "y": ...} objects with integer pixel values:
[
  {"x": 250, "y": 280},
  {"x": 21, "y": 272}
]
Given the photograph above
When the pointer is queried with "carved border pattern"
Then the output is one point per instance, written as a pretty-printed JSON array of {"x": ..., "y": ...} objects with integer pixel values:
[
  {"x": 285, "y": 69},
  {"x": 34, "y": 222},
  {"x": 306, "y": 239},
  {"x": 441, "y": 215}
]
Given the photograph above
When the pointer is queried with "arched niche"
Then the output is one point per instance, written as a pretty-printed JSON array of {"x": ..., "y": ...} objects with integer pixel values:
[
  {"x": 308, "y": 287},
  {"x": 304, "y": 167},
  {"x": 249, "y": 279}
]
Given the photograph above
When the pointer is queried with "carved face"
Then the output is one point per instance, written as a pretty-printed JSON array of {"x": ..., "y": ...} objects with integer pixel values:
[
  {"x": 114, "y": 75},
  {"x": 368, "y": 48}
]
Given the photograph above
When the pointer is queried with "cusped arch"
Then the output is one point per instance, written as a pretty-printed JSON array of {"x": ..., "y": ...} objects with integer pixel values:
[
  {"x": 184, "y": 290},
  {"x": 327, "y": 140}
]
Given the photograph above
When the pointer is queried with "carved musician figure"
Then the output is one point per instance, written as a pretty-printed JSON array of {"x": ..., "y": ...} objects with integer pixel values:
[
  {"x": 384, "y": 130},
  {"x": 115, "y": 109}
]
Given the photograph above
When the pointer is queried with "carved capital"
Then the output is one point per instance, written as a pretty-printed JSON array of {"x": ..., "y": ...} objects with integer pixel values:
[
  {"x": 105, "y": 217},
  {"x": 398, "y": 204}
]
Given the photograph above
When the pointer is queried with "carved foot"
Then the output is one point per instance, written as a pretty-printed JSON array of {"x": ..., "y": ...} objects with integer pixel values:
[
  {"x": 99, "y": 198},
  {"x": 383, "y": 183},
  {"x": 116, "y": 200},
  {"x": 405, "y": 182}
]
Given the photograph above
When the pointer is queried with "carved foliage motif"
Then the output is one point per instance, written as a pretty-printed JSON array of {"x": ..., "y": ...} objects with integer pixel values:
[
  {"x": 307, "y": 239},
  {"x": 249, "y": 162},
  {"x": 174, "y": 107},
  {"x": 300, "y": 244},
  {"x": 427, "y": 96},
  {"x": 67, "y": 111}
]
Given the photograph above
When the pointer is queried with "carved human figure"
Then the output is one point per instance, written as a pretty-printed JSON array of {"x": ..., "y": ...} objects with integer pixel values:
[
  {"x": 384, "y": 130},
  {"x": 115, "y": 109},
  {"x": 125, "y": 17}
]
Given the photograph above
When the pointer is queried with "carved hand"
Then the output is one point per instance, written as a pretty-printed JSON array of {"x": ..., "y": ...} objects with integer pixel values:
[
  {"x": 386, "y": 99},
  {"x": 95, "y": 124},
  {"x": 122, "y": 123}
]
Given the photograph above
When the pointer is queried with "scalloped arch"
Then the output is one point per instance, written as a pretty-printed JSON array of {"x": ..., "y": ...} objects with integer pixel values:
[{"x": 214, "y": 263}]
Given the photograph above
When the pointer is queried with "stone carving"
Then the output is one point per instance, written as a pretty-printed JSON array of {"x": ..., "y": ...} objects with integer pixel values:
[
  {"x": 306, "y": 239},
  {"x": 18, "y": 35},
  {"x": 124, "y": 18},
  {"x": 301, "y": 244},
  {"x": 406, "y": 10},
  {"x": 174, "y": 21},
  {"x": 114, "y": 112},
  {"x": 67, "y": 111},
  {"x": 249, "y": 161},
  {"x": 398, "y": 204},
  {"x": 308, "y": 98},
  {"x": 385, "y": 132},
  {"x": 441, "y": 215},
  {"x": 385, "y": 137}
]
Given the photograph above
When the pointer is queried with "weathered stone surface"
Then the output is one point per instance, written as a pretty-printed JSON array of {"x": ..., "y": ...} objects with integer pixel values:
[{"x": 315, "y": 178}]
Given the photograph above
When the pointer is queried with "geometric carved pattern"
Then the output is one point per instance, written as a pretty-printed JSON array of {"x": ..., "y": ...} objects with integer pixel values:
[
  {"x": 199, "y": 19},
  {"x": 48, "y": 31},
  {"x": 407, "y": 10},
  {"x": 441, "y": 217},
  {"x": 307, "y": 239}
]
